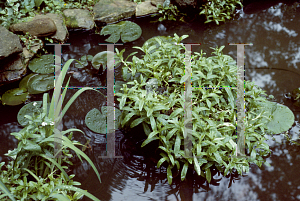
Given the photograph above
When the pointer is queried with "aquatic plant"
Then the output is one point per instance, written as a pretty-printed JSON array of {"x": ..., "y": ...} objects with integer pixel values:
[
  {"x": 84, "y": 61},
  {"x": 219, "y": 10},
  {"x": 169, "y": 11},
  {"x": 35, "y": 155},
  {"x": 43, "y": 64},
  {"x": 128, "y": 31},
  {"x": 14, "y": 96},
  {"x": 96, "y": 120},
  {"x": 155, "y": 100}
]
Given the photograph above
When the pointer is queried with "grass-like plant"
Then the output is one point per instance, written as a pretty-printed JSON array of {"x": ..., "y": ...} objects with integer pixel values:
[
  {"x": 154, "y": 98},
  {"x": 37, "y": 171}
]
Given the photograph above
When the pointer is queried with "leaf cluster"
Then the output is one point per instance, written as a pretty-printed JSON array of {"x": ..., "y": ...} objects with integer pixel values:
[
  {"x": 19, "y": 10},
  {"x": 169, "y": 11},
  {"x": 154, "y": 97},
  {"x": 219, "y": 10},
  {"x": 38, "y": 156}
]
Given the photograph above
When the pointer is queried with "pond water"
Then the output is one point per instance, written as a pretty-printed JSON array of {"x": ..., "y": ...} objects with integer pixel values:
[{"x": 272, "y": 62}]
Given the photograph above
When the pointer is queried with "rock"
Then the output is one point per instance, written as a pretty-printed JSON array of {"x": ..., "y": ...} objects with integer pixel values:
[
  {"x": 187, "y": 6},
  {"x": 36, "y": 27},
  {"x": 62, "y": 31},
  {"x": 78, "y": 19},
  {"x": 145, "y": 8},
  {"x": 156, "y": 2},
  {"x": 109, "y": 11},
  {"x": 12, "y": 69},
  {"x": 9, "y": 43}
]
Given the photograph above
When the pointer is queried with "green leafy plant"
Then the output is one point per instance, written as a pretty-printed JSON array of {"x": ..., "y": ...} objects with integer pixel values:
[
  {"x": 219, "y": 10},
  {"x": 20, "y": 10},
  {"x": 154, "y": 98},
  {"x": 35, "y": 155},
  {"x": 129, "y": 31},
  {"x": 169, "y": 11},
  {"x": 29, "y": 41},
  {"x": 16, "y": 10}
]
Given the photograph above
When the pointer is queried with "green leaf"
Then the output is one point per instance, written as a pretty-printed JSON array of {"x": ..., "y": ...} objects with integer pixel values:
[
  {"x": 169, "y": 174},
  {"x": 137, "y": 121},
  {"x": 75, "y": 189},
  {"x": 196, "y": 166},
  {"x": 31, "y": 146},
  {"x": 6, "y": 192},
  {"x": 40, "y": 83},
  {"x": 161, "y": 161},
  {"x": 129, "y": 31},
  {"x": 43, "y": 64},
  {"x": 283, "y": 119},
  {"x": 148, "y": 140},
  {"x": 97, "y": 121},
  {"x": 208, "y": 174},
  {"x": 15, "y": 96},
  {"x": 184, "y": 170}
]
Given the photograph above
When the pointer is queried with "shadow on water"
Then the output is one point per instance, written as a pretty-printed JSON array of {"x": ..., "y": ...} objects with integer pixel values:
[{"x": 272, "y": 63}]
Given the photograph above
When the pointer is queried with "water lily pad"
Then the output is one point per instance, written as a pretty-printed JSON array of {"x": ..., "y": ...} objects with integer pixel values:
[
  {"x": 28, "y": 109},
  {"x": 129, "y": 31},
  {"x": 43, "y": 65},
  {"x": 96, "y": 120},
  {"x": 282, "y": 118},
  {"x": 25, "y": 80},
  {"x": 40, "y": 83},
  {"x": 101, "y": 59},
  {"x": 15, "y": 96}
]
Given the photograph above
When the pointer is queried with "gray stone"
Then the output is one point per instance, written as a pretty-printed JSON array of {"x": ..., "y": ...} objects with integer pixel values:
[
  {"x": 12, "y": 69},
  {"x": 156, "y": 2},
  {"x": 145, "y": 8},
  {"x": 78, "y": 19},
  {"x": 186, "y": 4},
  {"x": 37, "y": 27},
  {"x": 9, "y": 43},
  {"x": 62, "y": 31},
  {"x": 109, "y": 11}
]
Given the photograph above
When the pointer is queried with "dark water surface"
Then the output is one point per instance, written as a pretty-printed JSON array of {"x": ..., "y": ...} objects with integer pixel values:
[{"x": 272, "y": 62}]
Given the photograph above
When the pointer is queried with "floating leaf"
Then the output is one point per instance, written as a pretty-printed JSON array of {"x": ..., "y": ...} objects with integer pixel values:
[
  {"x": 101, "y": 59},
  {"x": 25, "y": 80},
  {"x": 40, "y": 83},
  {"x": 15, "y": 96},
  {"x": 43, "y": 65},
  {"x": 282, "y": 119},
  {"x": 28, "y": 109},
  {"x": 96, "y": 121},
  {"x": 129, "y": 31}
]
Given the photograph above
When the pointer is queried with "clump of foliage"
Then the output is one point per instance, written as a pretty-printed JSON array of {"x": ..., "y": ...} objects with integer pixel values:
[
  {"x": 219, "y": 10},
  {"x": 169, "y": 11},
  {"x": 37, "y": 171},
  {"x": 154, "y": 97},
  {"x": 15, "y": 11}
]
